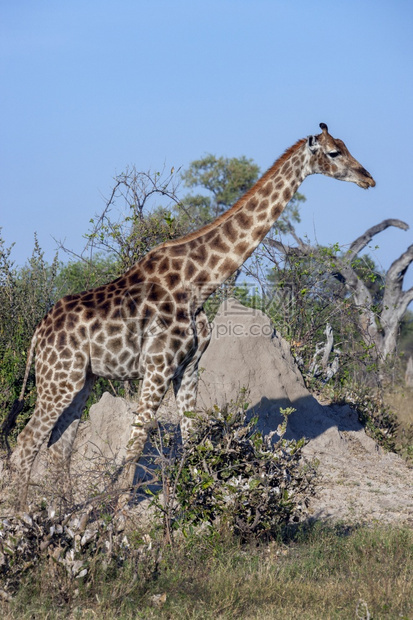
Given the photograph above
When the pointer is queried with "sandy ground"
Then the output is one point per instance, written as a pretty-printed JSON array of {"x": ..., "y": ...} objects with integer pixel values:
[{"x": 359, "y": 482}]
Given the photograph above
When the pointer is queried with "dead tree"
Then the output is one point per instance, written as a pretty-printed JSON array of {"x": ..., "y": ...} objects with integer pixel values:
[
  {"x": 378, "y": 327},
  {"x": 320, "y": 365}
]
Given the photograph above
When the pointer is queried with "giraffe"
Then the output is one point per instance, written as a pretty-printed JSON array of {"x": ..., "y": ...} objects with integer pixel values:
[{"x": 149, "y": 324}]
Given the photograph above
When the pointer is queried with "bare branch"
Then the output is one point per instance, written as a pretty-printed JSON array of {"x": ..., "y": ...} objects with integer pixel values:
[
  {"x": 285, "y": 249},
  {"x": 398, "y": 268},
  {"x": 408, "y": 296},
  {"x": 405, "y": 299},
  {"x": 364, "y": 239},
  {"x": 395, "y": 276},
  {"x": 304, "y": 249},
  {"x": 123, "y": 229}
]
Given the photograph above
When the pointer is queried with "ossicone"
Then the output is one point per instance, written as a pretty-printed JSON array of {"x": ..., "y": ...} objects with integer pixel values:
[{"x": 324, "y": 127}]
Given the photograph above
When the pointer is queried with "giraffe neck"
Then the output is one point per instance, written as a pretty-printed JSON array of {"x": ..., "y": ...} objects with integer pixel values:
[
  {"x": 250, "y": 220},
  {"x": 203, "y": 260},
  {"x": 233, "y": 237}
]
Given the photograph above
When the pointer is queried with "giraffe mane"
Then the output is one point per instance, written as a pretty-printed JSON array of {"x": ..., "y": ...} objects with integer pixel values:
[{"x": 240, "y": 203}]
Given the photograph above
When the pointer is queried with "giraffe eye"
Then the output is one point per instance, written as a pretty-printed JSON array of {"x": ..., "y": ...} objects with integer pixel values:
[{"x": 334, "y": 154}]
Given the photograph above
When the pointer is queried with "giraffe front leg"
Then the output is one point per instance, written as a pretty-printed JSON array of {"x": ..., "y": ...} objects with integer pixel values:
[
  {"x": 154, "y": 387},
  {"x": 185, "y": 388}
]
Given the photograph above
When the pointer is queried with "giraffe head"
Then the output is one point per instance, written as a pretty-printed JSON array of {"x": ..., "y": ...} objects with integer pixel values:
[{"x": 331, "y": 157}]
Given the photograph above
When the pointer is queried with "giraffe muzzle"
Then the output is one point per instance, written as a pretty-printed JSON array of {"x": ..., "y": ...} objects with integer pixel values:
[{"x": 367, "y": 180}]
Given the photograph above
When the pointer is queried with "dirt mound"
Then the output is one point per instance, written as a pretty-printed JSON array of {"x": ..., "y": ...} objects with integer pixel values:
[{"x": 357, "y": 479}]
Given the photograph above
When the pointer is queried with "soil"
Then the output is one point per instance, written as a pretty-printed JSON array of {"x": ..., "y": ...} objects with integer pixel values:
[{"x": 361, "y": 483}]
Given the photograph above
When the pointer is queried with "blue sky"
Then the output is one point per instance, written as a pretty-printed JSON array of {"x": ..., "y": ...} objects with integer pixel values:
[{"x": 89, "y": 87}]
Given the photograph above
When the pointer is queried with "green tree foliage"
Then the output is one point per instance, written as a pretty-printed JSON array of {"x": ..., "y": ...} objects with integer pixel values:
[
  {"x": 26, "y": 295},
  {"x": 227, "y": 179},
  {"x": 81, "y": 275}
]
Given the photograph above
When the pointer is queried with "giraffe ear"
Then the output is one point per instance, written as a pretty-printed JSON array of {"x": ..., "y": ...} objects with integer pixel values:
[{"x": 312, "y": 144}]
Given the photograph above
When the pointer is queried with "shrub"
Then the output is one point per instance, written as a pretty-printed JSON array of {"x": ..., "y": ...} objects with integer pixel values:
[{"x": 229, "y": 472}]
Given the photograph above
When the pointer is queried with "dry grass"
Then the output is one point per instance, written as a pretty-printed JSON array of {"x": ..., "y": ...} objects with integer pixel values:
[
  {"x": 322, "y": 572},
  {"x": 401, "y": 403}
]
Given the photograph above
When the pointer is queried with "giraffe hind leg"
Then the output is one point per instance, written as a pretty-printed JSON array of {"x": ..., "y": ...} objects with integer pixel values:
[
  {"x": 64, "y": 431},
  {"x": 62, "y": 437},
  {"x": 47, "y": 411}
]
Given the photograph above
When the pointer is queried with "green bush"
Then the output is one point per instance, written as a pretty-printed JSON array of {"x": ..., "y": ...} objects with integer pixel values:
[{"x": 229, "y": 472}]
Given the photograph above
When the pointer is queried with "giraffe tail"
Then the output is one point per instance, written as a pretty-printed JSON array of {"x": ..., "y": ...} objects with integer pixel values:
[{"x": 10, "y": 421}]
